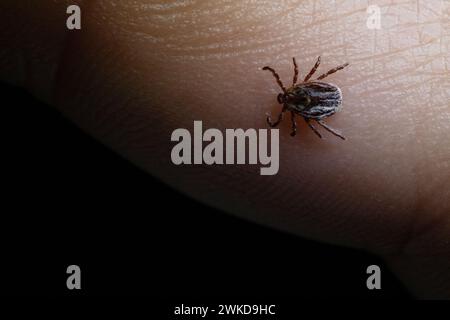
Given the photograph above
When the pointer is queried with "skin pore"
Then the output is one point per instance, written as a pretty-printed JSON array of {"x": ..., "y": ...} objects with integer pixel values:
[{"x": 140, "y": 69}]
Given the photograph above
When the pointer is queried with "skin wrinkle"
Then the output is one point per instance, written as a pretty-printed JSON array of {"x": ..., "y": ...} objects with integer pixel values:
[
  {"x": 421, "y": 225},
  {"x": 182, "y": 42}
]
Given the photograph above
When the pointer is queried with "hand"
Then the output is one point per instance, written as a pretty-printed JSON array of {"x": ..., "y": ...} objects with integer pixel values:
[{"x": 134, "y": 73}]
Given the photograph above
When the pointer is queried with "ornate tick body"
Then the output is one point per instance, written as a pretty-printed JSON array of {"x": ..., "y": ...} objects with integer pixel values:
[{"x": 313, "y": 100}]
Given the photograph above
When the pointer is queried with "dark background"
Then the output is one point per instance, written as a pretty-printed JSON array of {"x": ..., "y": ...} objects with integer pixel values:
[{"x": 67, "y": 199}]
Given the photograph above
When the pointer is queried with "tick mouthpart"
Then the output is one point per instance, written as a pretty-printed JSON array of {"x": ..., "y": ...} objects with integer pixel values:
[{"x": 281, "y": 98}]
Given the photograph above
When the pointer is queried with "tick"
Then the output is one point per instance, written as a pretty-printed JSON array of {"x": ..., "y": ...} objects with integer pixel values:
[{"x": 312, "y": 100}]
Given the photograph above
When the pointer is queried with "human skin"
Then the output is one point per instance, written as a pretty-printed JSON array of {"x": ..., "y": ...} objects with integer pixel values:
[{"x": 140, "y": 69}]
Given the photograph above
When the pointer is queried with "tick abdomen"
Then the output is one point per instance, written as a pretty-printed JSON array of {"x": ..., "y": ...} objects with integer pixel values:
[{"x": 324, "y": 99}]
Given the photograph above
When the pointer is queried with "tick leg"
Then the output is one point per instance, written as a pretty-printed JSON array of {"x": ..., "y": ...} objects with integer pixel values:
[
  {"x": 320, "y": 122},
  {"x": 294, "y": 124},
  {"x": 313, "y": 128},
  {"x": 312, "y": 70},
  {"x": 280, "y": 117},
  {"x": 294, "y": 81},
  {"x": 277, "y": 77},
  {"x": 333, "y": 71}
]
